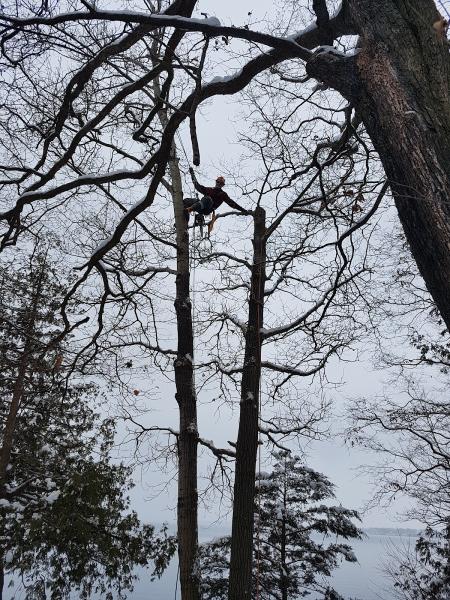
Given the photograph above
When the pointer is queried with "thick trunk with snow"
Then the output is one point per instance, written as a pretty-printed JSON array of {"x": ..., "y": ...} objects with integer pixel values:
[
  {"x": 283, "y": 570},
  {"x": 241, "y": 561},
  {"x": 404, "y": 69},
  {"x": 399, "y": 83},
  {"x": 9, "y": 428},
  {"x": 187, "y": 402}
]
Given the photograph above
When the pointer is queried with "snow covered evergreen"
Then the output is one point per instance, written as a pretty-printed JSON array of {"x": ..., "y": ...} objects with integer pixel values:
[
  {"x": 299, "y": 536},
  {"x": 64, "y": 508}
]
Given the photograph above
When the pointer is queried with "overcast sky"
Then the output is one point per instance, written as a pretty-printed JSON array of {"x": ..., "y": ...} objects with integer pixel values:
[{"x": 218, "y": 124}]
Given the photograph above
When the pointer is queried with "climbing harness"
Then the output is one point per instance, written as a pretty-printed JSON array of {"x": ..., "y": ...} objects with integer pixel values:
[
  {"x": 199, "y": 218},
  {"x": 199, "y": 222}
]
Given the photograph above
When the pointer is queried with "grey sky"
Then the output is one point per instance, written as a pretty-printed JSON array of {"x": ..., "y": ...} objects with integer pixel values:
[{"x": 218, "y": 124}]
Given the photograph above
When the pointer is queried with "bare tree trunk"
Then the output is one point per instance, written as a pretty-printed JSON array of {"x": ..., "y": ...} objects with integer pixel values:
[
  {"x": 404, "y": 68},
  {"x": 241, "y": 562},
  {"x": 447, "y": 561},
  {"x": 7, "y": 442},
  {"x": 29, "y": 327},
  {"x": 10, "y": 425},
  {"x": 399, "y": 83},
  {"x": 17, "y": 395},
  {"x": 284, "y": 579},
  {"x": 2, "y": 577},
  {"x": 187, "y": 402}
]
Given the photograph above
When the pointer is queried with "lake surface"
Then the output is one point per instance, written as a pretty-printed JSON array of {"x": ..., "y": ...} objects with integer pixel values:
[{"x": 363, "y": 580}]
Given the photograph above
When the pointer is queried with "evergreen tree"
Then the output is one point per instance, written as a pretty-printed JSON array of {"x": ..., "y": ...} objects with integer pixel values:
[
  {"x": 64, "y": 507},
  {"x": 424, "y": 574},
  {"x": 292, "y": 553}
]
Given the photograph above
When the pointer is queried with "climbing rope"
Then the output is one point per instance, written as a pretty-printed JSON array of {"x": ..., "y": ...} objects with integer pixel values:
[{"x": 176, "y": 582}]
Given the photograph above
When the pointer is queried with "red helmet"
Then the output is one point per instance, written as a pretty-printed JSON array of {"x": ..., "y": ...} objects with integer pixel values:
[{"x": 220, "y": 180}]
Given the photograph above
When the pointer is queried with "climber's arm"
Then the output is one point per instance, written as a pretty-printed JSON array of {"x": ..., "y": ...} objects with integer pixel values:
[
  {"x": 200, "y": 188},
  {"x": 232, "y": 204}
]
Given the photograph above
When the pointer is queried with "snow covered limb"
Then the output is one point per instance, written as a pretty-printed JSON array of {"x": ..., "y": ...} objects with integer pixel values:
[
  {"x": 218, "y": 452},
  {"x": 142, "y": 272},
  {"x": 209, "y": 26}
]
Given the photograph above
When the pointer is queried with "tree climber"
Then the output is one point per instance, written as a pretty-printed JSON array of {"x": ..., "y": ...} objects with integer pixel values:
[{"x": 212, "y": 199}]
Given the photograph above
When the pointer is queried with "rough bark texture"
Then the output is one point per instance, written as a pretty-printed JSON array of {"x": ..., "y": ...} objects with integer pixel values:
[
  {"x": 283, "y": 570},
  {"x": 404, "y": 68},
  {"x": 17, "y": 395},
  {"x": 187, "y": 402},
  {"x": 8, "y": 439},
  {"x": 10, "y": 425},
  {"x": 241, "y": 561},
  {"x": 399, "y": 83},
  {"x": 19, "y": 384}
]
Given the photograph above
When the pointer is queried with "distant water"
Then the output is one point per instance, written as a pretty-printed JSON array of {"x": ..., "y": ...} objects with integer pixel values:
[{"x": 363, "y": 580}]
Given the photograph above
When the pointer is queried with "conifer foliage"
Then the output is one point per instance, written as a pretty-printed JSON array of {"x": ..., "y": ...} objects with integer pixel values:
[
  {"x": 424, "y": 573},
  {"x": 296, "y": 537},
  {"x": 64, "y": 506}
]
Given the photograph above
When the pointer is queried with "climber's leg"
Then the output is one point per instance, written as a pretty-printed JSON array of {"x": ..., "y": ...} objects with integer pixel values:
[{"x": 211, "y": 223}]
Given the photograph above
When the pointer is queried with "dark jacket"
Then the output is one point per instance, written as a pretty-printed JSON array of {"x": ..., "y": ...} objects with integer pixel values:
[{"x": 218, "y": 196}]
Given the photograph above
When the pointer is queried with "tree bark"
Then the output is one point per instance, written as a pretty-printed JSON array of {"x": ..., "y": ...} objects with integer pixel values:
[
  {"x": 29, "y": 327},
  {"x": 284, "y": 579},
  {"x": 17, "y": 395},
  {"x": 241, "y": 561},
  {"x": 447, "y": 561},
  {"x": 187, "y": 402},
  {"x": 404, "y": 67},
  {"x": 2, "y": 578},
  {"x": 10, "y": 425},
  {"x": 399, "y": 83}
]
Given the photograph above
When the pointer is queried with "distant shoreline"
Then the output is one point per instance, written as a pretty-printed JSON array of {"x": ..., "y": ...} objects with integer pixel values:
[
  {"x": 391, "y": 531},
  {"x": 207, "y": 531}
]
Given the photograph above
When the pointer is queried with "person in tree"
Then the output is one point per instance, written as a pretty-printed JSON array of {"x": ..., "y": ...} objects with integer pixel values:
[{"x": 212, "y": 199}]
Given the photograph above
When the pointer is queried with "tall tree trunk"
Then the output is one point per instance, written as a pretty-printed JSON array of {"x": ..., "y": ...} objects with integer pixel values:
[
  {"x": 10, "y": 425},
  {"x": 241, "y": 562},
  {"x": 17, "y": 395},
  {"x": 404, "y": 68},
  {"x": 284, "y": 577},
  {"x": 187, "y": 402},
  {"x": 399, "y": 83},
  {"x": 2, "y": 578},
  {"x": 7, "y": 442},
  {"x": 447, "y": 561},
  {"x": 29, "y": 327}
]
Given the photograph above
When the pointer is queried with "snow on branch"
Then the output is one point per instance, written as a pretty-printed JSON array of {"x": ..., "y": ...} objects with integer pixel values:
[
  {"x": 218, "y": 452},
  {"x": 296, "y": 45},
  {"x": 209, "y": 26}
]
